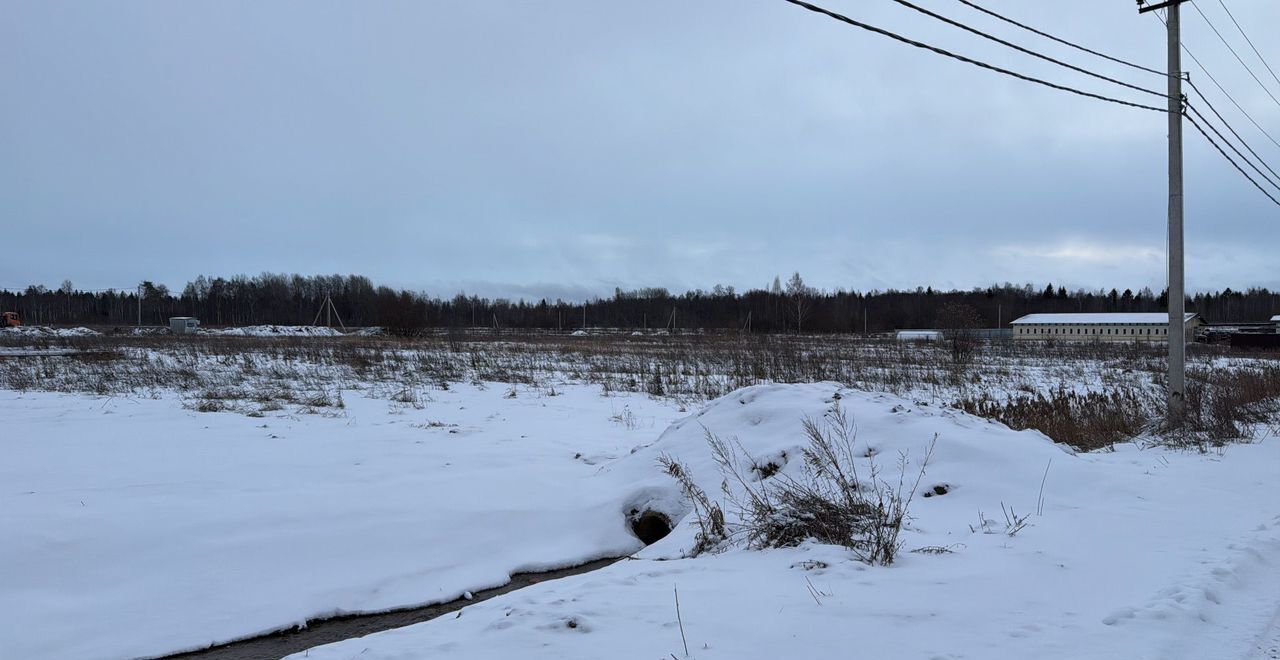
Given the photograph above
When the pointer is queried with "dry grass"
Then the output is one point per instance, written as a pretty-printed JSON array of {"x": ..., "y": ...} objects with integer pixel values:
[
  {"x": 825, "y": 500},
  {"x": 1086, "y": 421},
  {"x": 1225, "y": 405},
  {"x": 707, "y": 513},
  {"x": 1222, "y": 405},
  {"x": 1086, "y": 395}
]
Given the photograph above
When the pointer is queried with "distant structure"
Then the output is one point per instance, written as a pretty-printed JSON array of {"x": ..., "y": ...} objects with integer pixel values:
[
  {"x": 183, "y": 325},
  {"x": 938, "y": 335},
  {"x": 1102, "y": 327},
  {"x": 919, "y": 335},
  {"x": 1276, "y": 320}
]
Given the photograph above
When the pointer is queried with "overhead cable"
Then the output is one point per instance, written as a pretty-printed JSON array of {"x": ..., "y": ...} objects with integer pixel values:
[
  {"x": 991, "y": 67},
  {"x": 1027, "y": 51},
  {"x": 1062, "y": 41}
]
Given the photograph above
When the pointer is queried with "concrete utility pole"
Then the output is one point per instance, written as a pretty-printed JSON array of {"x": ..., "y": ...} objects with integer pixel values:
[{"x": 1177, "y": 324}]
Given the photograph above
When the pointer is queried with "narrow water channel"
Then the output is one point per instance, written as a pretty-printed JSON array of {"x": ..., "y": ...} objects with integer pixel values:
[{"x": 273, "y": 646}]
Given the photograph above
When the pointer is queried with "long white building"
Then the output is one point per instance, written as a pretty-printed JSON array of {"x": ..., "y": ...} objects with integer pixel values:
[{"x": 1126, "y": 326}]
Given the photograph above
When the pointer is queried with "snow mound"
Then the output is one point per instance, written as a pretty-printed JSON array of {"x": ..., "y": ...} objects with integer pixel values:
[
  {"x": 46, "y": 331},
  {"x": 972, "y": 465},
  {"x": 277, "y": 331},
  {"x": 1137, "y": 554},
  {"x": 149, "y": 331}
]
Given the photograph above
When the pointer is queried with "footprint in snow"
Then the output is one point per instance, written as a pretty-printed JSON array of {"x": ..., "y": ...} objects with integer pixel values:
[{"x": 1119, "y": 615}]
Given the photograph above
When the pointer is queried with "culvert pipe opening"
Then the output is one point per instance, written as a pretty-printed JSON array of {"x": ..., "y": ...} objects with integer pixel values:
[{"x": 650, "y": 526}]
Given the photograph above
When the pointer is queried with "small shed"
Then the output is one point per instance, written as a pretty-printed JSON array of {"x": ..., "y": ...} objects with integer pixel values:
[
  {"x": 183, "y": 325},
  {"x": 1276, "y": 320}
]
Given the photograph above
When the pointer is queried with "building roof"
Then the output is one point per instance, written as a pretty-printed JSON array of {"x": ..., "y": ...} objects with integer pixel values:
[
  {"x": 1119, "y": 318},
  {"x": 1276, "y": 317},
  {"x": 920, "y": 333}
]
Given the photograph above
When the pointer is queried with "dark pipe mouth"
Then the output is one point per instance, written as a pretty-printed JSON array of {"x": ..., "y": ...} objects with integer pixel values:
[{"x": 650, "y": 526}]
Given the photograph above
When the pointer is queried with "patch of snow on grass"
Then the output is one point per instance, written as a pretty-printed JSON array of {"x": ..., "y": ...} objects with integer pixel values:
[
  {"x": 275, "y": 331},
  {"x": 48, "y": 331}
]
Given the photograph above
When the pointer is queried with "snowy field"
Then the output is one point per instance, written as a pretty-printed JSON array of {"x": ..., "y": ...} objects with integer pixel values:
[
  {"x": 139, "y": 526},
  {"x": 692, "y": 368},
  {"x": 144, "y": 528}
]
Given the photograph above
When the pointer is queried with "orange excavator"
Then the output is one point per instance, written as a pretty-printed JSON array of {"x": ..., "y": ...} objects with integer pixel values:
[{"x": 10, "y": 320}]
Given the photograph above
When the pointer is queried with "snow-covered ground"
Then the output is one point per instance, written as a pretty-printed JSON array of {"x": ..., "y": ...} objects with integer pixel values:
[
  {"x": 144, "y": 528},
  {"x": 274, "y": 331},
  {"x": 41, "y": 331},
  {"x": 134, "y": 527},
  {"x": 1138, "y": 554}
]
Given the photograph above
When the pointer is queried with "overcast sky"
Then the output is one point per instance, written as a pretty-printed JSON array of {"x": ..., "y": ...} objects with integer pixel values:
[{"x": 565, "y": 147}]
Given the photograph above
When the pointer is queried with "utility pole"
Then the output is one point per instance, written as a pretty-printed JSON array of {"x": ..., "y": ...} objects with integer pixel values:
[
  {"x": 1177, "y": 324},
  {"x": 329, "y": 311},
  {"x": 139, "y": 305}
]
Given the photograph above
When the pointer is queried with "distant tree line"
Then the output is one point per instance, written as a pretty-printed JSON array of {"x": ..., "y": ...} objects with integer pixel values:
[{"x": 790, "y": 306}]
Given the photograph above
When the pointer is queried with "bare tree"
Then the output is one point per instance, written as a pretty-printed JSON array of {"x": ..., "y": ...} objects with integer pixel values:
[
  {"x": 959, "y": 323},
  {"x": 801, "y": 298}
]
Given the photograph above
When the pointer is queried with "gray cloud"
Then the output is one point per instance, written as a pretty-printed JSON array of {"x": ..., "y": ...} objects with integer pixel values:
[{"x": 562, "y": 149}]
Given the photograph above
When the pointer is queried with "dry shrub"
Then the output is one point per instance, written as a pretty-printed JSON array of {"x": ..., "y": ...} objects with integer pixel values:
[
  {"x": 1222, "y": 405},
  {"x": 1226, "y": 405},
  {"x": 1086, "y": 421},
  {"x": 826, "y": 501},
  {"x": 707, "y": 513},
  {"x": 210, "y": 405},
  {"x": 959, "y": 323}
]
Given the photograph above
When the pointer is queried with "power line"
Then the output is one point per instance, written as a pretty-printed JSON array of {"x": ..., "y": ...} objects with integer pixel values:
[
  {"x": 1062, "y": 41},
  {"x": 1222, "y": 89},
  {"x": 1226, "y": 123},
  {"x": 1233, "y": 163},
  {"x": 1229, "y": 97},
  {"x": 1233, "y": 147},
  {"x": 870, "y": 28},
  {"x": 1250, "y": 41},
  {"x": 1237, "y": 55},
  {"x": 1193, "y": 109},
  {"x": 1027, "y": 51},
  {"x": 897, "y": 37}
]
